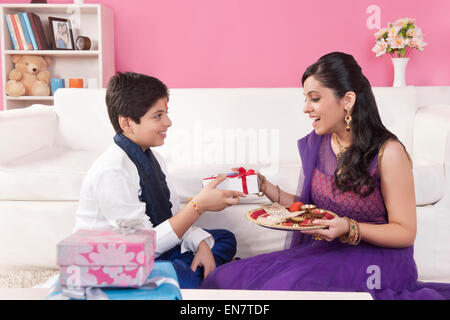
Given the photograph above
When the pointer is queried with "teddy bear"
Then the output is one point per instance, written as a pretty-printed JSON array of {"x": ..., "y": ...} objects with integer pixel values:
[{"x": 29, "y": 77}]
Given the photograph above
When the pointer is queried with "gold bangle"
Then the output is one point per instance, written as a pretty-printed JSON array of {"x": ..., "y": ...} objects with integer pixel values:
[
  {"x": 346, "y": 237},
  {"x": 358, "y": 237},
  {"x": 353, "y": 237},
  {"x": 262, "y": 186}
]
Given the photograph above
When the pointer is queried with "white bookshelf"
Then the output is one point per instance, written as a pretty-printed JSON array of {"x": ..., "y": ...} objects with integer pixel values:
[{"x": 92, "y": 20}]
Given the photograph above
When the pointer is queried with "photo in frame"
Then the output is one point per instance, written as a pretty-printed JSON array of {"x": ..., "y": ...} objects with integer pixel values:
[{"x": 61, "y": 32}]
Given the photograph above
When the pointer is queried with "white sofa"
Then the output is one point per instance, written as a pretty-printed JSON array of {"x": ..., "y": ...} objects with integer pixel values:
[{"x": 45, "y": 152}]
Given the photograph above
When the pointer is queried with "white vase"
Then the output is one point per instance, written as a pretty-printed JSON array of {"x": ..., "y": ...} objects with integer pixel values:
[{"x": 399, "y": 71}]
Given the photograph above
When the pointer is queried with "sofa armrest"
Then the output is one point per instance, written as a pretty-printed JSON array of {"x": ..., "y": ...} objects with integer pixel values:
[
  {"x": 26, "y": 130},
  {"x": 445, "y": 201}
]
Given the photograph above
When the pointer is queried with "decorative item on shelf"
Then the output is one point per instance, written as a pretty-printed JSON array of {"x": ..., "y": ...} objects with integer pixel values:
[
  {"x": 92, "y": 83},
  {"x": 75, "y": 83},
  {"x": 29, "y": 76},
  {"x": 61, "y": 32},
  {"x": 83, "y": 43},
  {"x": 57, "y": 83},
  {"x": 398, "y": 39}
]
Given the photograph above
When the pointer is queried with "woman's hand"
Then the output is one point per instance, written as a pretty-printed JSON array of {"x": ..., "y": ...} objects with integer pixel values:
[
  {"x": 336, "y": 227},
  {"x": 212, "y": 199},
  {"x": 204, "y": 258}
]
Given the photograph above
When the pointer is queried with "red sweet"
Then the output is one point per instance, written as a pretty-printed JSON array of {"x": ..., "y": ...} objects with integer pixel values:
[
  {"x": 256, "y": 214},
  {"x": 329, "y": 216},
  {"x": 295, "y": 206},
  {"x": 306, "y": 221}
]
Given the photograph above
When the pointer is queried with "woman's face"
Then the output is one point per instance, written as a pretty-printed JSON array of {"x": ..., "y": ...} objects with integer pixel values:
[{"x": 323, "y": 107}]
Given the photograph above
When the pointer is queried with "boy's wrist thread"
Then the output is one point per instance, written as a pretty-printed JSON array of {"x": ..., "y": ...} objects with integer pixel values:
[{"x": 196, "y": 207}]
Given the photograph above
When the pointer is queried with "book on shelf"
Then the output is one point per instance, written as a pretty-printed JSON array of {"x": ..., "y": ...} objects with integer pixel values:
[
  {"x": 21, "y": 35},
  {"x": 26, "y": 34},
  {"x": 16, "y": 31},
  {"x": 30, "y": 32},
  {"x": 26, "y": 31},
  {"x": 38, "y": 31},
  {"x": 12, "y": 32}
]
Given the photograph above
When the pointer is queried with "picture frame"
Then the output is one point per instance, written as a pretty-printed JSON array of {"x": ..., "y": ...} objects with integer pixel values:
[{"x": 61, "y": 33}]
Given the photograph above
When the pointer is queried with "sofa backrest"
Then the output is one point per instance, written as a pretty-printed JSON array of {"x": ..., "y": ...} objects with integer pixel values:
[
  {"x": 219, "y": 128},
  {"x": 83, "y": 122}
]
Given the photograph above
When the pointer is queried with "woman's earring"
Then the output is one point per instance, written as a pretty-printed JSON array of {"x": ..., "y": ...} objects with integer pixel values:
[{"x": 348, "y": 119}]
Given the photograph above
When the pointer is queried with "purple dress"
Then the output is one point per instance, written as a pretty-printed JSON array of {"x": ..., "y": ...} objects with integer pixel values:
[{"x": 311, "y": 265}]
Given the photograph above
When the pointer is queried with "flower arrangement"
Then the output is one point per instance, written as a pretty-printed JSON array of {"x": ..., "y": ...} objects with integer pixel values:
[{"x": 399, "y": 38}]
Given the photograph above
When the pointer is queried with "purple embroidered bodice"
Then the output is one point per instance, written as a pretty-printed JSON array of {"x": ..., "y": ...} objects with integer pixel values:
[{"x": 370, "y": 209}]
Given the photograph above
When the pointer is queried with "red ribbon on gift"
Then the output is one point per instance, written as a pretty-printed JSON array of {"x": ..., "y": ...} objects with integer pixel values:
[{"x": 243, "y": 175}]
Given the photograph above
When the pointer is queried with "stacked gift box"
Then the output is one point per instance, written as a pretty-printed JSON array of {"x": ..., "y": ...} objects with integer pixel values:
[{"x": 121, "y": 264}]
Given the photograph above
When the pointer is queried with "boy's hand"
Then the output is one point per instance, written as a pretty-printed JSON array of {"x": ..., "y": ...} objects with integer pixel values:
[
  {"x": 204, "y": 258},
  {"x": 212, "y": 199}
]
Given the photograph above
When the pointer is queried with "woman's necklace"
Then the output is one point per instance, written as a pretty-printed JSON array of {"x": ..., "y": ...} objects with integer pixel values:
[
  {"x": 341, "y": 148},
  {"x": 339, "y": 156}
]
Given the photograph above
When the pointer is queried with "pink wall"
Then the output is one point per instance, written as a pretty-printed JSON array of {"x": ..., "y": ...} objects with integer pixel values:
[{"x": 268, "y": 43}]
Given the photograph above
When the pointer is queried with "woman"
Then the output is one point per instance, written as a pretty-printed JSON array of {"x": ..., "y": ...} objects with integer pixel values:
[{"x": 355, "y": 167}]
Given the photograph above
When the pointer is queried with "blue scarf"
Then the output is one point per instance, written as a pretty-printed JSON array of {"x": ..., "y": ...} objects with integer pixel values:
[{"x": 155, "y": 192}]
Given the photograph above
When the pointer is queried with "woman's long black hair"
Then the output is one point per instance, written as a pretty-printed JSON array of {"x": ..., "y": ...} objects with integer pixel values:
[{"x": 341, "y": 73}]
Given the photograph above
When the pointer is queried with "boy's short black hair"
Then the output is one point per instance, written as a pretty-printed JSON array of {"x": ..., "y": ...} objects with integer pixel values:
[{"x": 131, "y": 94}]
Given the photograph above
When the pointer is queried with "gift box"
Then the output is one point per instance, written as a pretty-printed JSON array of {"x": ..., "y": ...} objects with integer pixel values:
[
  {"x": 161, "y": 284},
  {"x": 106, "y": 258},
  {"x": 245, "y": 181}
]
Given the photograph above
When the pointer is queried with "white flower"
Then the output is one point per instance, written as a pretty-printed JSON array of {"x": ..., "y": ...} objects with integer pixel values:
[
  {"x": 403, "y": 22},
  {"x": 393, "y": 31},
  {"x": 112, "y": 255},
  {"x": 380, "y": 33},
  {"x": 418, "y": 43},
  {"x": 380, "y": 47},
  {"x": 398, "y": 42},
  {"x": 397, "y": 36}
]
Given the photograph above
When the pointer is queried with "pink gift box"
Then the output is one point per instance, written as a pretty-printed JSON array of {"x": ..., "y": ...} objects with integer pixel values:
[{"x": 106, "y": 258}]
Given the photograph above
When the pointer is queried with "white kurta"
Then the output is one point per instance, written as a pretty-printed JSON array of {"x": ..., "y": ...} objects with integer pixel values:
[{"x": 110, "y": 191}]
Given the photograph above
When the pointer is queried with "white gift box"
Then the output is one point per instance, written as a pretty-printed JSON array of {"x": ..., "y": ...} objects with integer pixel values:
[{"x": 243, "y": 181}]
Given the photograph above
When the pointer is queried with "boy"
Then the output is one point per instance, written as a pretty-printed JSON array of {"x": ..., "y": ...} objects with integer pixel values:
[{"x": 128, "y": 181}]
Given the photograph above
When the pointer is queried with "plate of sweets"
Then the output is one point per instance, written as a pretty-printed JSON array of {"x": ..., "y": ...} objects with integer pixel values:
[{"x": 298, "y": 216}]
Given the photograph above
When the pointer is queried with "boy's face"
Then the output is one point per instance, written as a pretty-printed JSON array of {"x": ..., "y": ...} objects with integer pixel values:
[{"x": 151, "y": 131}]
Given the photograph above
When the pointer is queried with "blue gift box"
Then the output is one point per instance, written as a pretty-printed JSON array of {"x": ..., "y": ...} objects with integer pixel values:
[{"x": 161, "y": 284}]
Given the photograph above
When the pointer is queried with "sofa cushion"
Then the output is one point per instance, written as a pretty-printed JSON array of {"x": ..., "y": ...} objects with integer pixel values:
[
  {"x": 50, "y": 174},
  {"x": 429, "y": 181},
  {"x": 397, "y": 108},
  {"x": 83, "y": 122}
]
